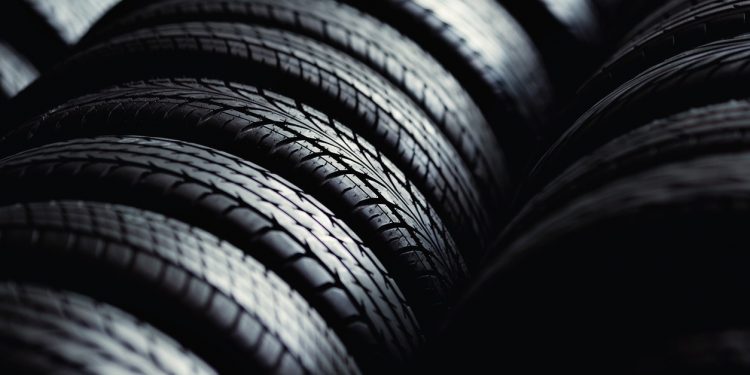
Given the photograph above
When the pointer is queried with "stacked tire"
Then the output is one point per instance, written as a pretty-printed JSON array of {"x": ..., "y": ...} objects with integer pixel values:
[
  {"x": 628, "y": 253},
  {"x": 350, "y": 186},
  {"x": 279, "y": 186}
]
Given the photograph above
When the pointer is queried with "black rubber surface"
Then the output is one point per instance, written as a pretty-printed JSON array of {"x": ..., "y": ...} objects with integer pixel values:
[
  {"x": 709, "y": 74},
  {"x": 371, "y": 41},
  {"x": 298, "y": 67},
  {"x": 318, "y": 154},
  {"x": 222, "y": 305},
  {"x": 46, "y": 331},
  {"x": 676, "y": 28},
  {"x": 492, "y": 57},
  {"x": 256, "y": 211},
  {"x": 602, "y": 281},
  {"x": 721, "y": 128}
]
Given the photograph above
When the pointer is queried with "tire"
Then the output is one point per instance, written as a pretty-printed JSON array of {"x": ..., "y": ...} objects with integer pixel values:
[
  {"x": 707, "y": 75},
  {"x": 308, "y": 71},
  {"x": 568, "y": 33},
  {"x": 15, "y": 71},
  {"x": 316, "y": 153},
  {"x": 374, "y": 43},
  {"x": 46, "y": 331},
  {"x": 661, "y": 15},
  {"x": 674, "y": 29},
  {"x": 70, "y": 19},
  {"x": 256, "y": 211},
  {"x": 508, "y": 82},
  {"x": 222, "y": 305},
  {"x": 720, "y": 128},
  {"x": 640, "y": 261}
]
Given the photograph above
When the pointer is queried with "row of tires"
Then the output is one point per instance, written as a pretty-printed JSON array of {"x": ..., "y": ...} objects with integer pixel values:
[
  {"x": 297, "y": 186},
  {"x": 628, "y": 249},
  {"x": 334, "y": 145}
]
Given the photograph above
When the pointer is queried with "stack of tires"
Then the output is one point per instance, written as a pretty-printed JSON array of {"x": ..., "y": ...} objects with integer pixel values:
[
  {"x": 260, "y": 185},
  {"x": 346, "y": 186},
  {"x": 629, "y": 251}
]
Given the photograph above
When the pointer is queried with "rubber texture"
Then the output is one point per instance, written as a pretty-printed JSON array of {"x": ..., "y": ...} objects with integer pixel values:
[
  {"x": 568, "y": 34},
  {"x": 46, "y": 331},
  {"x": 316, "y": 153},
  {"x": 222, "y": 305},
  {"x": 709, "y": 74},
  {"x": 721, "y": 128},
  {"x": 681, "y": 26},
  {"x": 253, "y": 209},
  {"x": 643, "y": 260},
  {"x": 372, "y": 42},
  {"x": 298, "y": 67},
  {"x": 490, "y": 55},
  {"x": 16, "y": 72}
]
